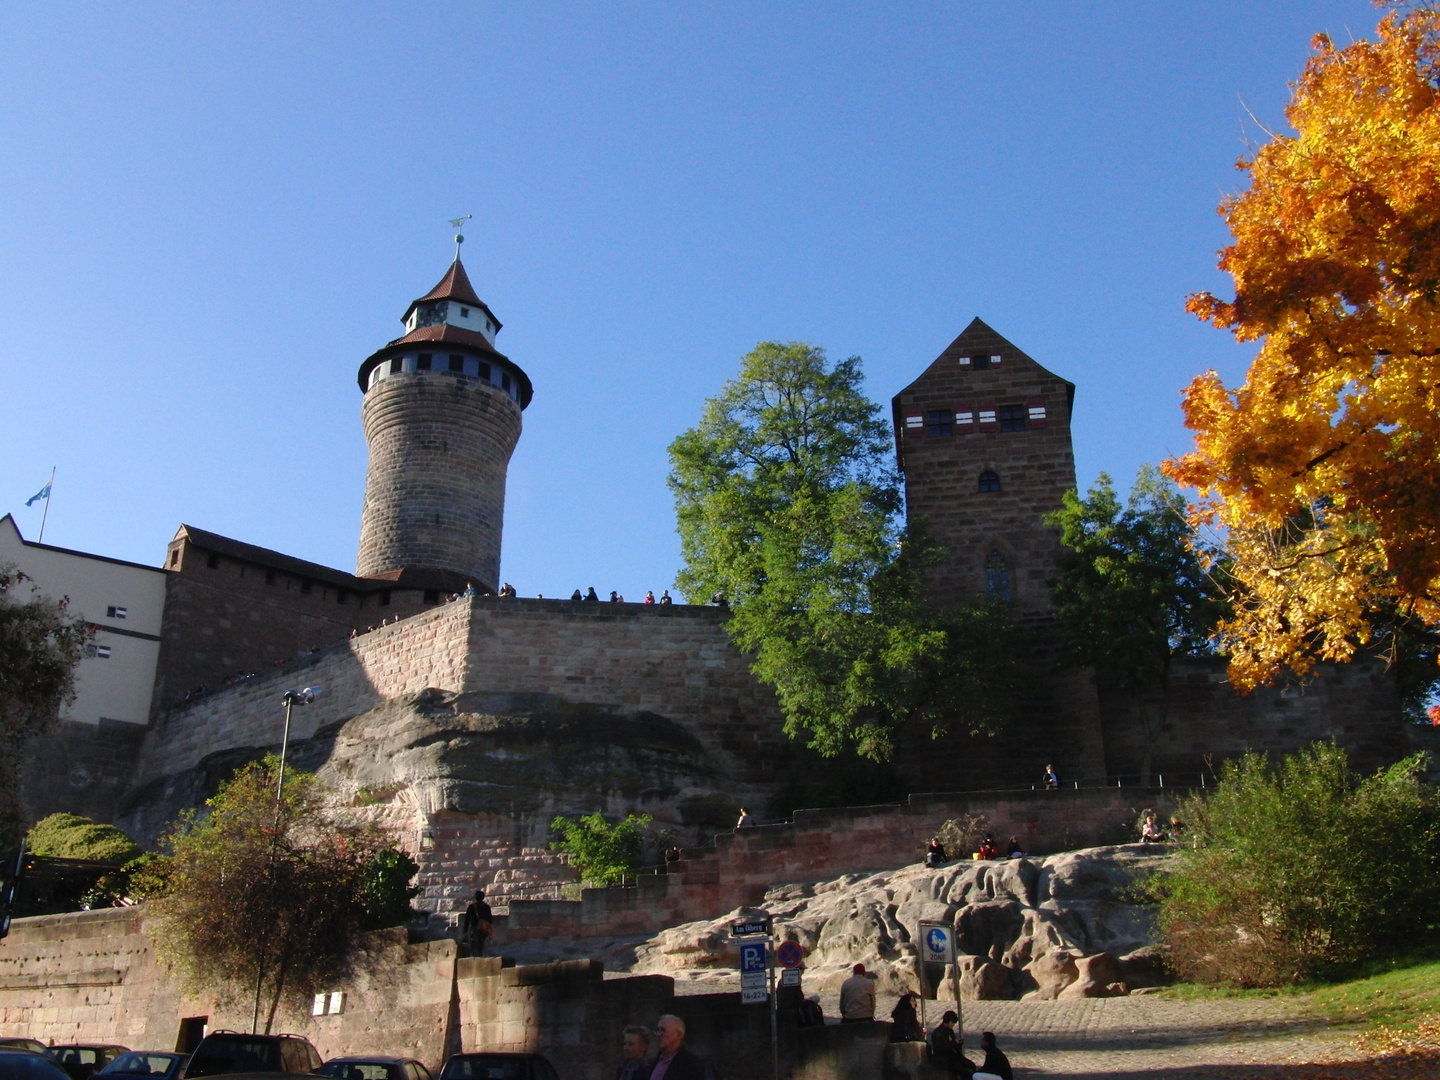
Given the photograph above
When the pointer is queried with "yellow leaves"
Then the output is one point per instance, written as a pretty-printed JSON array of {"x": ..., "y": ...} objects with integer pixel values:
[{"x": 1323, "y": 469}]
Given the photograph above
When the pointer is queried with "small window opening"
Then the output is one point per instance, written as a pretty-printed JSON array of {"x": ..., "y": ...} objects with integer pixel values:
[
  {"x": 1012, "y": 417},
  {"x": 422, "y": 362},
  {"x": 212, "y": 561},
  {"x": 341, "y": 596},
  {"x": 384, "y": 597},
  {"x": 175, "y": 557},
  {"x": 116, "y": 612},
  {"x": 397, "y": 365},
  {"x": 940, "y": 423},
  {"x": 989, "y": 481},
  {"x": 269, "y": 577},
  {"x": 980, "y": 361},
  {"x": 505, "y": 381},
  {"x": 464, "y": 312},
  {"x": 457, "y": 362},
  {"x": 305, "y": 587},
  {"x": 100, "y": 651},
  {"x": 997, "y": 576},
  {"x": 485, "y": 371}
]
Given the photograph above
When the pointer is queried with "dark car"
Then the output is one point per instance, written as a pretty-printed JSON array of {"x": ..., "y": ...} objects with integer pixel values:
[
  {"x": 84, "y": 1060},
  {"x": 498, "y": 1067},
  {"x": 35, "y": 1046},
  {"x": 18, "y": 1063},
  {"x": 157, "y": 1063},
  {"x": 231, "y": 1052},
  {"x": 375, "y": 1068}
]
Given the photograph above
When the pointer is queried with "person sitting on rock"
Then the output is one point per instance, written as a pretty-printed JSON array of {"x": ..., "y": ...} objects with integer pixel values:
[
  {"x": 904, "y": 1023},
  {"x": 996, "y": 1064},
  {"x": 988, "y": 850},
  {"x": 945, "y": 1047},
  {"x": 1150, "y": 830},
  {"x": 1013, "y": 848},
  {"x": 1176, "y": 830},
  {"x": 935, "y": 853}
]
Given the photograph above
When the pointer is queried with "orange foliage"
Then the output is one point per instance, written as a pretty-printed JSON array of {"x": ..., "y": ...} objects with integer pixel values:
[{"x": 1323, "y": 469}]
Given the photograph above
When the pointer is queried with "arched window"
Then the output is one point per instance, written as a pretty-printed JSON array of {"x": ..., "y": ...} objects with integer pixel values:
[
  {"x": 989, "y": 481},
  {"x": 997, "y": 576}
]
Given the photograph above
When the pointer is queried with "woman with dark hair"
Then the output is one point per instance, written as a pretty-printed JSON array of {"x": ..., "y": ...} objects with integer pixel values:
[{"x": 904, "y": 1024}]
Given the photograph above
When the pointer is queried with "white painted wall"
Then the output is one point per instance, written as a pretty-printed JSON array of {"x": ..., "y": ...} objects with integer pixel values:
[{"x": 117, "y": 687}]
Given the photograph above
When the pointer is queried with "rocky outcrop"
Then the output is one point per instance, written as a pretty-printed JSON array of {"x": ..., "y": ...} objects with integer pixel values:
[{"x": 1040, "y": 929}]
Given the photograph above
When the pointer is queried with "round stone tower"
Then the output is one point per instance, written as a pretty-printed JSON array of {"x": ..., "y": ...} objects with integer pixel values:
[{"x": 442, "y": 416}]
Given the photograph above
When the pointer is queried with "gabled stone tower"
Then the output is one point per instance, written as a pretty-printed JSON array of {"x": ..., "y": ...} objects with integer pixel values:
[
  {"x": 983, "y": 438},
  {"x": 442, "y": 417}
]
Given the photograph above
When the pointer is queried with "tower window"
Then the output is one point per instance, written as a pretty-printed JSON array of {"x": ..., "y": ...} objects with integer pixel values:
[
  {"x": 102, "y": 651},
  {"x": 505, "y": 381},
  {"x": 305, "y": 587},
  {"x": 1012, "y": 417},
  {"x": 340, "y": 596},
  {"x": 457, "y": 362},
  {"x": 212, "y": 561},
  {"x": 269, "y": 577},
  {"x": 464, "y": 312},
  {"x": 940, "y": 422},
  {"x": 484, "y": 371},
  {"x": 116, "y": 612},
  {"x": 422, "y": 363},
  {"x": 397, "y": 365},
  {"x": 997, "y": 576},
  {"x": 989, "y": 481},
  {"x": 175, "y": 557},
  {"x": 384, "y": 597}
]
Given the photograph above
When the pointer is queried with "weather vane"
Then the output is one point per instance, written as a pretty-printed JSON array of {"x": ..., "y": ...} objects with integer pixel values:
[{"x": 456, "y": 223}]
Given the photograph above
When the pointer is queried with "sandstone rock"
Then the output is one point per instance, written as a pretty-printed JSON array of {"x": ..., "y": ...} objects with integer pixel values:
[
  {"x": 983, "y": 980},
  {"x": 1094, "y": 975},
  {"x": 1051, "y": 974}
]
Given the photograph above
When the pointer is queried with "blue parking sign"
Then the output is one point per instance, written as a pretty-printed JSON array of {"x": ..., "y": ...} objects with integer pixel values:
[{"x": 752, "y": 956}]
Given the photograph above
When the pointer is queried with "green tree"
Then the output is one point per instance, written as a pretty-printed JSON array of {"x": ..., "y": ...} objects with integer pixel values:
[
  {"x": 604, "y": 853},
  {"x": 40, "y": 645},
  {"x": 788, "y": 504},
  {"x": 70, "y": 836},
  {"x": 1301, "y": 867},
  {"x": 1131, "y": 593},
  {"x": 268, "y": 899}
]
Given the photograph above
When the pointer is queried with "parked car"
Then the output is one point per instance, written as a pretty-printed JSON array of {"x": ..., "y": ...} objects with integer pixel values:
[
  {"x": 35, "y": 1046},
  {"x": 84, "y": 1060},
  {"x": 157, "y": 1063},
  {"x": 375, "y": 1068},
  {"x": 231, "y": 1052},
  {"x": 18, "y": 1063},
  {"x": 498, "y": 1067}
]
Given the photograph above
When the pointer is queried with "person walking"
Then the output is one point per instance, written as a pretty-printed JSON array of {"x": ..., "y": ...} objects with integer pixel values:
[
  {"x": 478, "y": 924},
  {"x": 675, "y": 1062},
  {"x": 857, "y": 997},
  {"x": 634, "y": 1054}
]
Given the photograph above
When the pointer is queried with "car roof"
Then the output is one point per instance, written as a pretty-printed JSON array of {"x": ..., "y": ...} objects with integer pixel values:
[
  {"x": 353, "y": 1058},
  {"x": 88, "y": 1046}
]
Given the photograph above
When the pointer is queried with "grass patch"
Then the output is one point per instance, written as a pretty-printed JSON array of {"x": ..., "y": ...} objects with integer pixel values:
[{"x": 1394, "y": 993}]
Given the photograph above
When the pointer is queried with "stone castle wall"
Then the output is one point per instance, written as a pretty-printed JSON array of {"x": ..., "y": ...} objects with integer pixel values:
[{"x": 440, "y": 445}]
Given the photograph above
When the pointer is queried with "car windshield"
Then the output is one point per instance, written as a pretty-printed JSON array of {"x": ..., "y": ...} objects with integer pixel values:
[
  {"x": 234, "y": 1053},
  {"x": 74, "y": 1055},
  {"x": 360, "y": 1070},
  {"x": 140, "y": 1065},
  {"x": 484, "y": 1067},
  {"x": 18, "y": 1065}
]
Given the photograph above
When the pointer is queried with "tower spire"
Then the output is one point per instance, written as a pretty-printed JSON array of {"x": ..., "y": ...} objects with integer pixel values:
[{"x": 456, "y": 223}]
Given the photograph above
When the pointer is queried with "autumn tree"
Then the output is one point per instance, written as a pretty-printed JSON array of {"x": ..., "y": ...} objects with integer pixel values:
[
  {"x": 1322, "y": 470},
  {"x": 788, "y": 505},
  {"x": 40, "y": 646},
  {"x": 1130, "y": 592},
  {"x": 266, "y": 897}
]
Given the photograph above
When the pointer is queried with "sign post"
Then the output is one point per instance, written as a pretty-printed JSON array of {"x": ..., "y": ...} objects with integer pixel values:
[
  {"x": 757, "y": 974},
  {"x": 937, "y": 946}
]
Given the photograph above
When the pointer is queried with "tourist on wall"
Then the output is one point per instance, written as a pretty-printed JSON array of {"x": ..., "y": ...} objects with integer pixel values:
[
  {"x": 935, "y": 853},
  {"x": 634, "y": 1054},
  {"x": 857, "y": 997},
  {"x": 649, "y": 596},
  {"x": 746, "y": 821},
  {"x": 904, "y": 1022},
  {"x": 947, "y": 1047},
  {"x": 591, "y": 594},
  {"x": 1052, "y": 778},
  {"x": 665, "y": 600},
  {"x": 577, "y": 595},
  {"x": 675, "y": 1061}
]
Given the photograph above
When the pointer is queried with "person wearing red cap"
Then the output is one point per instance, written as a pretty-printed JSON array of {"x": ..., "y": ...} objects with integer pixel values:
[{"x": 857, "y": 997}]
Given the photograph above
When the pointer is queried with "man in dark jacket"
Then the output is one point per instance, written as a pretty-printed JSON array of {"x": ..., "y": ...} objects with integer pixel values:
[
  {"x": 675, "y": 1062},
  {"x": 995, "y": 1061},
  {"x": 946, "y": 1046}
]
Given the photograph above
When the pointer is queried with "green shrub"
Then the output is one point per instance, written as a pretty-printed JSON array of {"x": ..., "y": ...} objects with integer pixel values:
[
  {"x": 385, "y": 889},
  {"x": 70, "y": 836},
  {"x": 1301, "y": 867},
  {"x": 605, "y": 854}
]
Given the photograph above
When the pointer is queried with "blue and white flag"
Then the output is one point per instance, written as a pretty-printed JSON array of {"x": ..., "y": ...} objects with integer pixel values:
[{"x": 43, "y": 493}]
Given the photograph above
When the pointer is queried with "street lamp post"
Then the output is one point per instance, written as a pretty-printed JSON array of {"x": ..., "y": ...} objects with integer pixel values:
[{"x": 290, "y": 700}]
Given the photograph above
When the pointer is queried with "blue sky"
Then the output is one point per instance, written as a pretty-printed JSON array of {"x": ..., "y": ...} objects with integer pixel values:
[{"x": 210, "y": 214}]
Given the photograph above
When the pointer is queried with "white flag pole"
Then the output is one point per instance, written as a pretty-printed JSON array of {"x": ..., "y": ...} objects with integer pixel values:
[{"x": 45, "y": 516}]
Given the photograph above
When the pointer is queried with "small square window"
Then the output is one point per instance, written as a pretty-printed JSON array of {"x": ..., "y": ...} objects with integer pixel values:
[
  {"x": 941, "y": 422},
  {"x": 422, "y": 362},
  {"x": 989, "y": 481},
  {"x": 212, "y": 561},
  {"x": 457, "y": 362},
  {"x": 464, "y": 312},
  {"x": 100, "y": 651},
  {"x": 175, "y": 557},
  {"x": 113, "y": 612},
  {"x": 397, "y": 365},
  {"x": 484, "y": 371},
  {"x": 269, "y": 577},
  {"x": 980, "y": 361},
  {"x": 305, "y": 587},
  {"x": 384, "y": 597},
  {"x": 1012, "y": 417},
  {"x": 505, "y": 381}
]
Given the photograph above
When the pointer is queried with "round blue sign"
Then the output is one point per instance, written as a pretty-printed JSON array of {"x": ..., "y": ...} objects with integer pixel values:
[{"x": 937, "y": 940}]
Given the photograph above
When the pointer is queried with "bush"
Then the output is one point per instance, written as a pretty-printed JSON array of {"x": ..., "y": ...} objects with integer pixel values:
[
  {"x": 961, "y": 836},
  {"x": 385, "y": 889},
  {"x": 605, "y": 854},
  {"x": 1301, "y": 867},
  {"x": 70, "y": 836}
]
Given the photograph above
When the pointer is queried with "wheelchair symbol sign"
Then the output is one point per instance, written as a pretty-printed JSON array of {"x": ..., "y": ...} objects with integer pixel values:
[{"x": 752, "y": 956}]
